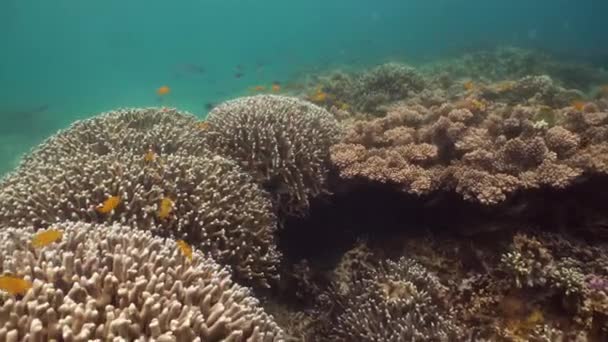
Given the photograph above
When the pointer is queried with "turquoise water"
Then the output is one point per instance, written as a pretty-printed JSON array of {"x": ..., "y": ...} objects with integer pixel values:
[{"x": 64, "y": 60}]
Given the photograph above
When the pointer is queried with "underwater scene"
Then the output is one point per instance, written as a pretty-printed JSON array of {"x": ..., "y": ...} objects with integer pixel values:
[{"x": 239, "y": 170}]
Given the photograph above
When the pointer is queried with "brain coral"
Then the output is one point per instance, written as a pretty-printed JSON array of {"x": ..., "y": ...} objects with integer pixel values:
[
  {"x": 135, "y": 130},
  {"x": 212, "y": 203},
  {"x": 401, "y": 301},
  {"x": 113, "y": 283},
  {"x": 282, "y": 141}
]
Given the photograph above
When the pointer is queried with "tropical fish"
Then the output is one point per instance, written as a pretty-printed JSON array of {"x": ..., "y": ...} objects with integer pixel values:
[
  {"x": 257, "y": 88},
  {"x": 46, "y": 237},
  {"x": 238, "y": 74},
  {"x": 185, "y": 248},
  {"x": 166, "y": 206},
  {"x": 108, "y": 205},
  {"x": 14, "y": 285},
  {"x": 203, "y": 125},
  {"x": 150, "y": 156},
  {"x": 469, "y": 85},
  {"x": 209, "y": 106},
  {"x": 276, "y": 87},
  {"x": 164, "y": 90},
  {"x": 578, "y": 105}
]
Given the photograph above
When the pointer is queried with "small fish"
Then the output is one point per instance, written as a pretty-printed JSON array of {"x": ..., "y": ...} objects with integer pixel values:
[
  {"x": 238, "y": 74},
  {"x": 209, "y": 106},
  {"x": 203, "y": 125},
  {"x": 469, "y": 85},
  {"x": 150, "y": 156},
  {"x": 257, "y": 88},
  {"x": 108, "y": 205},
  {"x": 46, "y": 237},
  {"x": 164, "y": 90},
  {"x": 578, "y": 105},
  {"x": 318, "y": 97},
  {"x": 276, "y": 87},
  {"x": 185, "y": 248},
  {"x": 604, "y": 90},
  {"x": 14, "y": 285},
  {"x": 166, "y": 206}
]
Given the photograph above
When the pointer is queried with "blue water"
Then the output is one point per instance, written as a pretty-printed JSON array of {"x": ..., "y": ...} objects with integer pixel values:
[{"x": 74, "y": 58}]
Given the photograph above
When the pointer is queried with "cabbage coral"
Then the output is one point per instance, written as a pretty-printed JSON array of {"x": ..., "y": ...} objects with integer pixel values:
[
  {"x": 212, "y": 204},
  {"x": 114, "y": 283},
  {"x": 282, "y": 141}
]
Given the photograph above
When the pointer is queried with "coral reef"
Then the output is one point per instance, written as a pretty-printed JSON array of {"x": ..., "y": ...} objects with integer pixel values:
[
  {"x": 213, "y": 204},
  {"x": 482, "y": 149},
  {"x": 283, "y": 142},
  {"x": 506, "y": 63},
  {"x": 111, "y": 282}
]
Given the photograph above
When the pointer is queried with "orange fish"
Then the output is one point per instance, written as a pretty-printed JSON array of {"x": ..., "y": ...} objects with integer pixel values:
[
  {"x": 164, "y": 90},
  {"x": 46, "y": 238},
  {"x": 319, "y": 97},
  {"x": 203, "y": 125},
  {"x": 258, "y": 88},
  {"x": 14, "y": 285},
  {"x": 276, "y": 87},
  {"x": 469, "y": 85},
  {"x": 185, "y": 248},
  {"x": 578, "y": 105},
  {"x": 166, "y": 206},
  {"x": 108, "y": 205},
  {"x": 150, "y": 156}
]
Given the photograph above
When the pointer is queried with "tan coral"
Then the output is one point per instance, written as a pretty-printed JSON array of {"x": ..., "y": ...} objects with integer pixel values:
[
  {"x": 111, "y": 282},
  {"x": 217, "y": 207},
  {"x": 283, "y": 142}
]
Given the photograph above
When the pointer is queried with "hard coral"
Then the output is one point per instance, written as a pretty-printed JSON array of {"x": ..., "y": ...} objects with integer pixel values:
[
  {"x": 483, "y": 154},
  {"x": 111, "y": 282},
  {"x": 401, "y": 301},
  {"x": 381, "y": 85},
  {"x": 129, "y": 130},
  {"x": 214, "y": 204},
  {"x": 282, "y": 141}
]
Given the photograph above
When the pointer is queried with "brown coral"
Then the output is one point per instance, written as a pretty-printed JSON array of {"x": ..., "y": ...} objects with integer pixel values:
[
  {"x": 282, "y": 141},
  {"x": 111, "y": 282},
  {"x": 215, "y": 205},
  {"x": 484, "y": 155}
]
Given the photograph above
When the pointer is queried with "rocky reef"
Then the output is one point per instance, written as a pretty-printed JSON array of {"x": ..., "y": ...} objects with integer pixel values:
[{"x": 459, "y": 201}]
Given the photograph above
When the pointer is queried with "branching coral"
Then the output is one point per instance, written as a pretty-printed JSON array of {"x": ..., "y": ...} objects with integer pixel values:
[
  {"x": 380, "y": 85},
  {"x": 282, "y": 141},
  {"x": 130, "y": 130},
  {"x": 211, "y": 203},
  {"x": 401, "y": 301},
  {"x": 484, "y": 153},
  {"x": 111, "y": 282}
]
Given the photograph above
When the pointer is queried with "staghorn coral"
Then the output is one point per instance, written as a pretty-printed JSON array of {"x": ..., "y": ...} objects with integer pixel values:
[
  {"x": 400, "y": 301},
  {"x": 114, "y": 283},
  {"x": 282, "y": 141},
  {"x": 214, "y": 205},
  {"x": 129, "y": 130}
]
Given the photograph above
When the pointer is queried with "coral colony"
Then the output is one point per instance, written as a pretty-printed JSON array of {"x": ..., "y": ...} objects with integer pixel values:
[{"x": 459, "y": 201}]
